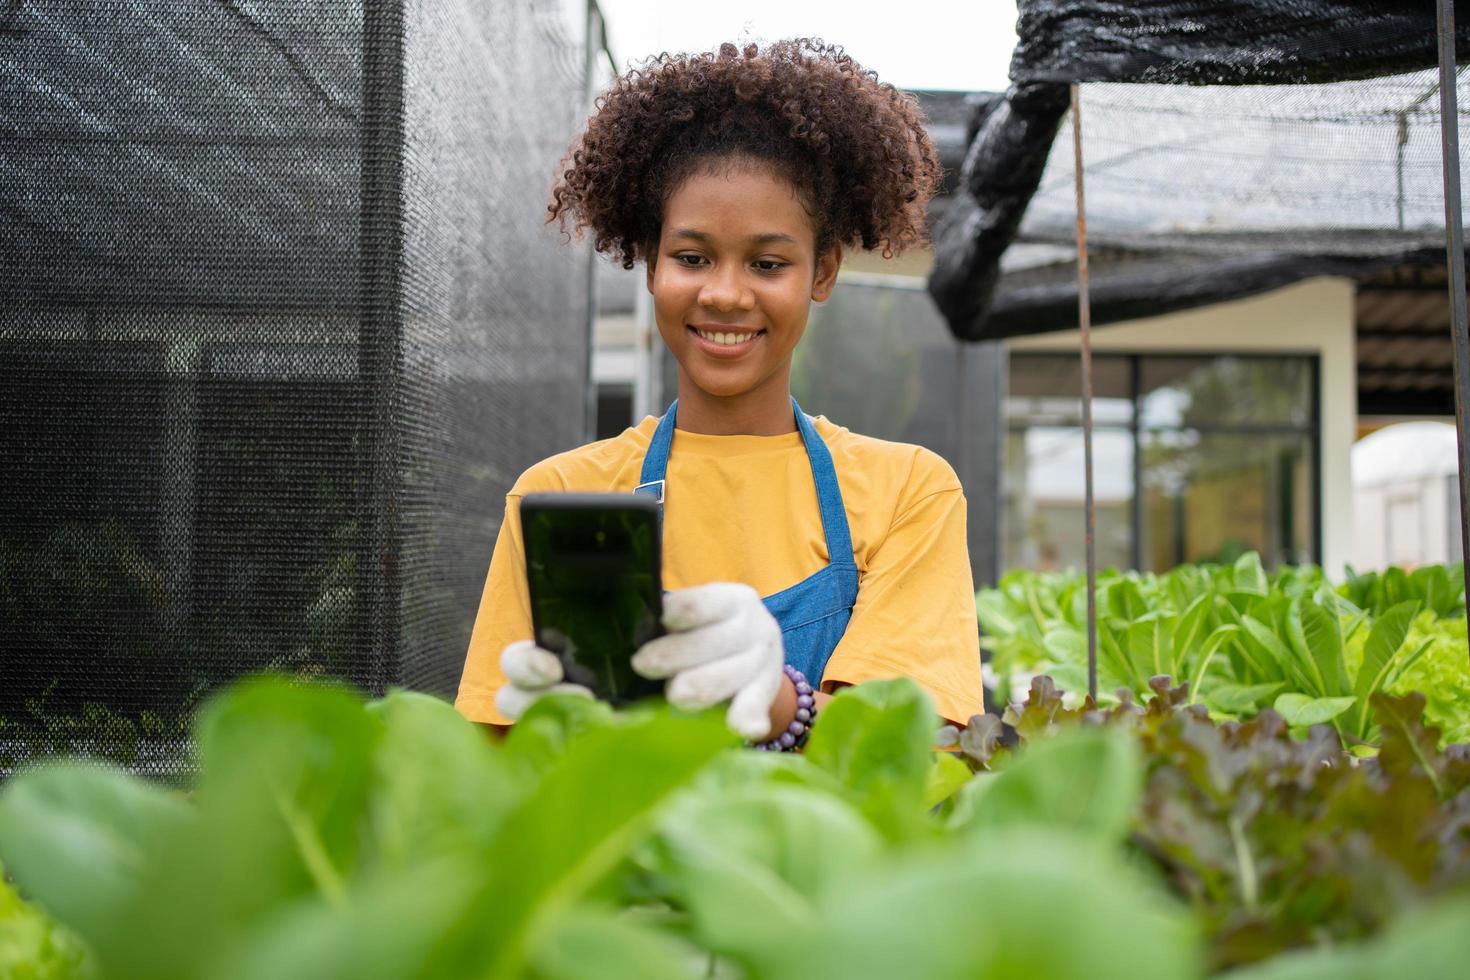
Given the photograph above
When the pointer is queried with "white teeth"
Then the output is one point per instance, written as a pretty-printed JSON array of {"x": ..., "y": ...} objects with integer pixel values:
[{"x": 725, "y": 339}]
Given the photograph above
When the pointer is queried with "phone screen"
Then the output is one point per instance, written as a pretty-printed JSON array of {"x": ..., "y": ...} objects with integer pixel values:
[{"x": 592, "y": 564}]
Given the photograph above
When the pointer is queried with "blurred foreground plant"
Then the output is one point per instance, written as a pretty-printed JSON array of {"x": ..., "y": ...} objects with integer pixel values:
[{"x": 331, "y": 838}]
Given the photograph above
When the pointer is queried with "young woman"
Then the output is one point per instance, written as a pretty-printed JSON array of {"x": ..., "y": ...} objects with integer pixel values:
[{"x": 793, "y": 548}]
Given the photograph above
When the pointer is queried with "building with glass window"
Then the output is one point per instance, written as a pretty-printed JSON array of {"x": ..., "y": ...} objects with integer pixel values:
[{"x": 1217, "y": 431}]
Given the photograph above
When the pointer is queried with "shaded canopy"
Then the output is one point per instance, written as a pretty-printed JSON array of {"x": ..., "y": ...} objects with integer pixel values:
[{"x": 1231, "y": 147}]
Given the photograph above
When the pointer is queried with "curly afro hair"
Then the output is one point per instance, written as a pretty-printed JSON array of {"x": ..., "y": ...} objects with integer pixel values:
[{"x": 854, "y": 148}]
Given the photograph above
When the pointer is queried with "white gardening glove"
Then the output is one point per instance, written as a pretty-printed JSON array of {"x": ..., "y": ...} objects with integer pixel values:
[
  {"x": 723, "y": 644},
  {"x": 532, "y": 672}
]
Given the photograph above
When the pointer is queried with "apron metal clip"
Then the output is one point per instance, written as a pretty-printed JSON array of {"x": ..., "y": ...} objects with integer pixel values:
[{"x": 654, "y": 489}]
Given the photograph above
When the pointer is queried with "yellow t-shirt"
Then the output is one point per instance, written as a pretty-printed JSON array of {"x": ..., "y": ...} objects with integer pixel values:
[{"x": 744, "y": 509}]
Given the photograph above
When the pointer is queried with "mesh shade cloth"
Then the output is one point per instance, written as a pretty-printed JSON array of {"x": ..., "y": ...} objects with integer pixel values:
[
  {"x": 1350, "y": 168},
  {"x": 1315, "y": 151},
  {"x": 280, "y": 322},
  {"x": 1232, "y": 42}
]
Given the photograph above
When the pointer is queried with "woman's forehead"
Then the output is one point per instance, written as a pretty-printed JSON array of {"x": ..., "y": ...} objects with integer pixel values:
[{"x": 751, "y": 204}]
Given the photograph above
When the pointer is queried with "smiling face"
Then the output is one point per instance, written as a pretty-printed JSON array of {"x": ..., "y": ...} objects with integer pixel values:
[{"x": 735, "y": 274}]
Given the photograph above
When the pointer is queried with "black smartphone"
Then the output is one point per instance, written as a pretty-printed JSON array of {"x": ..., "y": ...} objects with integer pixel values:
[{"x": 592, "y": 565}]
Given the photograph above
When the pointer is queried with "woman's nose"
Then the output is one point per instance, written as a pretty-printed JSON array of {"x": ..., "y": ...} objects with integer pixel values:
[{"x": 724, "y": 291}]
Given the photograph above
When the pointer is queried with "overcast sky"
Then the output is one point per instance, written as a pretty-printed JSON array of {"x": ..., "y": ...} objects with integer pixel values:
[{"x": 934, "y": 44}]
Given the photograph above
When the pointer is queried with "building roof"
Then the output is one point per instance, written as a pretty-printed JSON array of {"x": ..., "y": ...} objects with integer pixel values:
[{"x": 1405, "y": 353}]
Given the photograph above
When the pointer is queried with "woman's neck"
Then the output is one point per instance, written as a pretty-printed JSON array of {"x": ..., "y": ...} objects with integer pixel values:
[{"x": 762, "y": 411}]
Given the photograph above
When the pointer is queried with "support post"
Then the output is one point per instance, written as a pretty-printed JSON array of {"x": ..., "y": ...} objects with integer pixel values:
[
  {"x": 380, "y": 342},
  {"x": 1084, "y": 323},
  {"x": 1455, "y": 259},
  {"x": 592, "y": 33}
]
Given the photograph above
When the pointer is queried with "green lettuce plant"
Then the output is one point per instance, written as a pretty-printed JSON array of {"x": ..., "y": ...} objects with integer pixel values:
[
  {"x": 1277, "y": 842},
  {"x": 33, "y": 946},
  {"x": 1440, "y": 673},
  {"x": 1440, "y": 589},
  {"x": 329, "y": 837},
  {"x": 1242, "y": 640}
]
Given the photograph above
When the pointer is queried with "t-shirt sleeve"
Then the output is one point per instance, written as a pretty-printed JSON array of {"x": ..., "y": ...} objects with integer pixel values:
[
  {"x": 915, "y": 612},
  {"x": 504, "y": 617}
]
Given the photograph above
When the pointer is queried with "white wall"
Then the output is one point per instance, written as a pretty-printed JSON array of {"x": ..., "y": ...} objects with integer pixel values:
[
  {"x": 1370, "y": 522},
  {"x": 1406, "y": 523},
  {"x": 1312, "y": 317}
]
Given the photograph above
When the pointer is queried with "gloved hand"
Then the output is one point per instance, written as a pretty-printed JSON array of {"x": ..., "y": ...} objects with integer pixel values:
[
  {"x": 722, "y": 644},
  {"x": 532, "y": 672}
]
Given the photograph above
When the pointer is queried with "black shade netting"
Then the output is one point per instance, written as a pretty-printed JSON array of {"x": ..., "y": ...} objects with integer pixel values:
[
  {"x": 280, "y": 322},
  {"x": 1228, "y": 148},
  {"x": 1226, "y": 42}
]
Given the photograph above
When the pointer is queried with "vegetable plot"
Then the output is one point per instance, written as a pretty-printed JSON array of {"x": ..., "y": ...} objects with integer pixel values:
[
  {"x": 1243, "y": 641},
  {"x": 328, "y": 837},
  {"x": 1277, "y": 842}
]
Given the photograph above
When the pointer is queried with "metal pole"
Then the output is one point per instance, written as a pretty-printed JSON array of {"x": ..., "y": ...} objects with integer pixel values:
[
  {"x": 1449, "y": 131},
  {"x": 1084, "y": 322},
  {"x": 591, "y": 29}
]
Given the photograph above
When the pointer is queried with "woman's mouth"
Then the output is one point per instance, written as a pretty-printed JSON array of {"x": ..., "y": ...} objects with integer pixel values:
[{"x": 724, "y": 343}]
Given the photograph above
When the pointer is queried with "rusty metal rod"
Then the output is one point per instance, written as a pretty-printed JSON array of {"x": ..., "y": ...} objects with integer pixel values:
[
  {"x": 1084, "y": 323},
  {"x": 1449, "y": 133}
]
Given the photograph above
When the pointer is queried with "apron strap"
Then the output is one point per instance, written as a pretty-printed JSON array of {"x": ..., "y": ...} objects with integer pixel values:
[
  {"x": 829, "y": 493},
  {"x": 656, "y": 460},
  {"x": 824, "y": 475}
]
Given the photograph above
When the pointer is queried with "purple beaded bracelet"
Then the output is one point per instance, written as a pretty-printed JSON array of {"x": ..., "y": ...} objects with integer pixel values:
[{"x": 806, "y": 712}]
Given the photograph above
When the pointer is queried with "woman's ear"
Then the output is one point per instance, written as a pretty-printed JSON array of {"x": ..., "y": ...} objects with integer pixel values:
[
  {"x": 827, "y": 265},
  {"x": 651, "y": 259}
]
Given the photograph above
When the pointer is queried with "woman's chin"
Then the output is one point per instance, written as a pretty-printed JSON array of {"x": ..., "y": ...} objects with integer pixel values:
[
  {"x": 722, "y": 391},
  {"x": 720, "y": 387}
]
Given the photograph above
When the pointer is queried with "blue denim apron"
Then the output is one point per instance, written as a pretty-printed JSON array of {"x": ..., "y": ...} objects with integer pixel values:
[{"x": 814, "y": 612}]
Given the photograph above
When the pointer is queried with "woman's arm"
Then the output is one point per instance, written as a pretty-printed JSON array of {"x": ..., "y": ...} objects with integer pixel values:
[{"x": 504, "y": 616}]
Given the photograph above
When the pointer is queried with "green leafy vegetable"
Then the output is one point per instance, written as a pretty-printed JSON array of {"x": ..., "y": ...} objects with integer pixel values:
[
  {"x": 83, "y": 838},
  {"x": 1277, "y": 842},
  {"x": 1384, "y": 640},
  {"x": 1243, "y": 640},
  {"x": 1086, "y": 781},
  {"x": 775, "y": 851},
  {"x": 875, "y": 739},
  {"x": 1441, "y": 672},
  {"x": 33, "y": 946},
  {"x": 1432, "y": 945},
  {"x": 577, "y": 825},
  {"x": 327, "y": 837},
  {"x": 1299, "y": 710},
  {"x": 615, "y": 949},
  {"x": 946, "y": 775},
  {"x": 1042, "y": 906}
]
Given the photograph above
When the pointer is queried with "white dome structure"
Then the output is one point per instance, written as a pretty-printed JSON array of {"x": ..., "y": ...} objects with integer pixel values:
[
  {"x": 1407, "y": 451},
  {"x": 1406, "y": 488}
]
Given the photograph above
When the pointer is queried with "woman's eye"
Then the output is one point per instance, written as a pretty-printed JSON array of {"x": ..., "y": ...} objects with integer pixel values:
[
  {"x": 769, "y": 265},
  {"x": 689, "y": 260}
]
